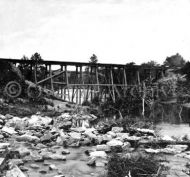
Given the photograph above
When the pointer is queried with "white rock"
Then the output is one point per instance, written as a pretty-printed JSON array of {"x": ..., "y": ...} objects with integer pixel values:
[
  {"x": 2, "y": 117},
  {"x": 15, "y": 172},
  {"x": 112, "y": 134},
  {"x": 167, "y": 138},
  {"x": 114, "y": 142},
  {"x": 133, "y": 138},
  {"x": 27, "y": 137},
  {"x": 37, "y": 120},
  {"x": 143, "y": 130},
  {"x": 103, "y": 147},
  {"x": 97, "y": 154},
  {"x": 4, "y": 145},
  {"x": 9, "y": 130},
  {"x": 154, "y": 151},
  {"x": 52, "y": 167},
  {"x": 117, "y": 129},
  {"x": 126, "y": 146},
  {"x": 75, "y": 135},
  {"x": 107, "y": 137}
]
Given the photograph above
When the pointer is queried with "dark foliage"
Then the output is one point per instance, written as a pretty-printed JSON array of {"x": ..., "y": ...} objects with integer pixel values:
[{"x": 139, "y": 166}]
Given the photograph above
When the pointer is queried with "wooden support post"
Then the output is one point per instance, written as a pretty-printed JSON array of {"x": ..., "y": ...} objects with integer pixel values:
[
  {"x": 113, "y": 91},
  {"x": 138, "y": 78},
  {"x": 125, "y": 81},
  {"x": 52, "y": 88},
  {"x": 35, "y": 73},
  {"x": 46, "y": 75},
  {"x": 62, "y": 85},
  {"x": 97, "y": 80},
  {"x": 91, "y": 88},
  {"x": 80, "y": 89},
  {"x": 67, "y": 85}
]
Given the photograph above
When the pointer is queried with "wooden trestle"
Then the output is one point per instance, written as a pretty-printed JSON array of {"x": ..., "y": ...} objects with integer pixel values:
[{"x": 78, "y": 82}]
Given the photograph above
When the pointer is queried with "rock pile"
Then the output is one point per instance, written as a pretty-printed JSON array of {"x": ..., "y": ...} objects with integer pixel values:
[{"x": 39, "y": 138}]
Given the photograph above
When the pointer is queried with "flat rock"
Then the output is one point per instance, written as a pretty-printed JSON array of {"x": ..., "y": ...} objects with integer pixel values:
[
  {"x": 2, "y": 117},
  {"x": 23, "y": 151},
  {"x": 46, "y": 138},
  {"x": 65, "y": 151},
  {"x": 9, "y": 130},
  {"x": 112, "y": 134},
  {"x": 28, "y": 138},
  {"x": 4, "y": 145},
  {"x": 103, "y": 147},
  {"x": 34, "y": 166},
  {"x": 75, "y": 135},
  {"x": 39, "y": 120},
  {"x": 114, "y": 142},
  {"x": 15, "y": 172},
  {"x": 17, "y": 162},
  {"x": 100, "y": 154},
  {"x": 52, "y": 167}
]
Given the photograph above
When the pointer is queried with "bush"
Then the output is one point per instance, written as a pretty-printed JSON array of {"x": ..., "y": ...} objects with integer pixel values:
[{"x": 132, "y": 165}]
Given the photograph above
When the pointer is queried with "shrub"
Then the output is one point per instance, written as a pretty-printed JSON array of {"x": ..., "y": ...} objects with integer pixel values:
[{"x": 132, "y": 165}]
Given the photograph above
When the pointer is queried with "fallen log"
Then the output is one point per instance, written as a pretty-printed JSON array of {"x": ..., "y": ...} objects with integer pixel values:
[
  {"x": 35, "y": 91},
  {"x": 161, "y": 143}
]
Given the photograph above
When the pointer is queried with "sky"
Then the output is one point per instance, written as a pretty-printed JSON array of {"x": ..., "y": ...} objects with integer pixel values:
[{"x": 117, "y": 31}]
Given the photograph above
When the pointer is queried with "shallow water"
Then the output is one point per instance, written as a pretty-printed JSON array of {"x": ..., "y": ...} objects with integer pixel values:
[
  {"x": 176, "y": 130},
  {"x": 74, "y": 166}
]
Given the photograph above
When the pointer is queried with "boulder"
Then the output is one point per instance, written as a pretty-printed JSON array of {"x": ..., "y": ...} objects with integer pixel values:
[
  {"x": 65, "y": 151},
  {"x": 106, "y": 138},
  {"x": 115, "y": 145},
  {"x": 56, "y": 157},
  {"x": 34, "y": 166},
  {"x": 2, "y": 122},
  {"x": 4, "y": 145},
  {"x": 78, "y": 129},
  {"x": 123, "y": 136},
  {"x": 98, "y": 154},
  {"x": 37, "y": 120},
  {"x": 114, "y": 142},
  {"x": 117, "y": 129},
  {"x": 52, "y": 167},
  {"x": 75, "y": 135},
  {"x": 126, "y": 146},
  {"x": 167, "y": 138},
  {"x": 9, "y": 130},
  {"x": 22, "y": 151},
  {"x": 103, "y": 147},
  {"x": 2, "y": 117},
  {"x": 112, "y": 134},
  {"x": 15, "y": 172},
  {"x": 65, "y": 125},
  {"x": 133, "y": 138},
  {"x": 85, "y": 142},
  {"x": 28, "y": 138},
  {"x": 46, "y": 138},
  {"x": 8, "y": 116}
]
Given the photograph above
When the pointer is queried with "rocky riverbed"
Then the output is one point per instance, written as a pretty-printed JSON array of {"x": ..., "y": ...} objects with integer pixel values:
[{"x": 68, "y": 145}]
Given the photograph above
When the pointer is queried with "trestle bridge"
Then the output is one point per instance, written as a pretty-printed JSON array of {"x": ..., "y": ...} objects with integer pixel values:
[{"x": 78, "y": 81}]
